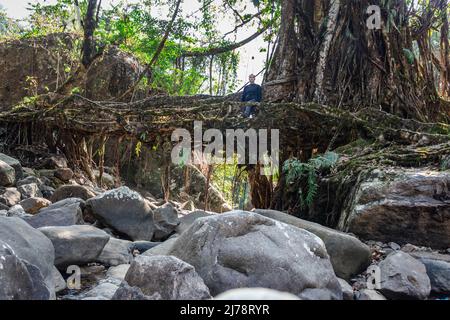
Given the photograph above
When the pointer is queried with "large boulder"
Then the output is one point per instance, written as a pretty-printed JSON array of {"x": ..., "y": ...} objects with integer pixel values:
[
  {"x": 7, "y": 174},
  {"x": 76, "y": 245},
  {"x": 244, "y": 249},
  {"x": 32, "y": 57},
  {"x": 403, "y": 277},
  {"x": 112, "y": 75},
  {"x": 438, "y": 270},
  {"x": 401, "y": 205},
  {"x": 17, "y": 282},
  {"x": 125, "y": 211},
  {"x": 348, "y": 255},
  {"x": 72, "y": 191},
  {"x": 168, "y": 276},
  {"x": 33, "y": 248},
  {"x": 14, "y": 163},
  {"x": 66, "y": 212}
]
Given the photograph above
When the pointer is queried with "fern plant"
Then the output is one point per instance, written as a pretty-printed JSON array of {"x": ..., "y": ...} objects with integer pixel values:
[{"x": 305, "y": 175}]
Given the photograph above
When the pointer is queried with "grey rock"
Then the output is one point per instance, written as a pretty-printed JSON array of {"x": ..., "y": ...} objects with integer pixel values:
[
  {"x": 28, "y": 180},
  {"x": 347, "y": 290},
  {"x": 64, "y": 174},
  {"x": 187, "y": 220},
  {"x": 348, "y": 255},
  {"x": 7, "y": 175},
  {"x": 105, "y": 290},
  {"x": 245, "y": 249},
  {"x": 438, "y": 270},
  {"x": 53, "y": 161},
  {"x": 32, "y": 247},
  {"x": 403, "y": 277},
  {"x": 16, "y": 282},
  {"x": 368, "y": 294},
  {"x": 143, "y": 246},
  {"x": 9, "y": 196},
  {"x": 243, "y": 294},
  {"x": 29, "y": 191},
  {"x": 66, "y": 212},
  {"x": 118, "y": 272},
  {"x": 47, "y": 191},
  {"x": 60, "y": 283},
  {"x": 166, "y": 220},
  {"x": 394, "y": 246},
  {"x": 76, "y": 245},
  {"x": 3, "y": 213},
  {"x": 13, "y": 163},
  {"x": 163, "y": 249},
  {"x": 389, "y": 201},
  {"x": 125, "y": 211},
  {"x": 125, "y": 292},
  {"x": 177, "y": 280},
  {"x": 116, "y": 252},
  {"x": 72, "y": 191},
  {"x": 17, "y": 211}
]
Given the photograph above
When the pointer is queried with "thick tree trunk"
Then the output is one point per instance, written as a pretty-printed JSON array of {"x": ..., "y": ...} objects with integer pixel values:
[
  {"x": 90, "y": 23},
  {"x": 327, "y": 53}
]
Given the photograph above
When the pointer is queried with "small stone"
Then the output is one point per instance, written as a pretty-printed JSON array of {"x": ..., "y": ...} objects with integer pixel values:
[
  {"x": 30, "y": 190},
  {"x": 72, "y": 191},
  {"x": 9, "y": 196},
  {"x": 394, "y": 246},
  {"x": 28, "y": 180},
  {"x": 34, "y": 204},
  {"x": 64, "y": 174}
]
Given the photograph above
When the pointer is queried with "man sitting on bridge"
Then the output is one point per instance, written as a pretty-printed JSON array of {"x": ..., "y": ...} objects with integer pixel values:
[{"x": 252, "y": 93}]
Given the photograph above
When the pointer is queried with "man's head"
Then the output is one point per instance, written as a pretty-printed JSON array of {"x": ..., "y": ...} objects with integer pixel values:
[{"x": 252, "y": 78}]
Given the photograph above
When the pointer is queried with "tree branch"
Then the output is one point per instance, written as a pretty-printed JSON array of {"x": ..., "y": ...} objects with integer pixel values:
[{"x": 223, "y": 49}]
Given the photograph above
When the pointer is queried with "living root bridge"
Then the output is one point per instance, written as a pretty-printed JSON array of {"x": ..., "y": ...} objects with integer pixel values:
[{"x": 154, "y": 119}]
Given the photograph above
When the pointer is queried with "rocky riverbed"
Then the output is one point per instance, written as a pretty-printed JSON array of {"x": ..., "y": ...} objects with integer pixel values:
[{"x": 62, "y": 238}]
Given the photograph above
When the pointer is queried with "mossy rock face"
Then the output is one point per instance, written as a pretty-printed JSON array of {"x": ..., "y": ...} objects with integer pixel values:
[{"x": 400, "y": 205}]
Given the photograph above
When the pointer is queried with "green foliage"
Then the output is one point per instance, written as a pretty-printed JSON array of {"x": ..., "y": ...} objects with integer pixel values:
[
  {"x": 409, "y": 55},
  {"x": 8, "y": 27},
  {"x": 138, "y": 28},
  {"x": 304, "y": 176},
  {"x": 231, "y": 181}
]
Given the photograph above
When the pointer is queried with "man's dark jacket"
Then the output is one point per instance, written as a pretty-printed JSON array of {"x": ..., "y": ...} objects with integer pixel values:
[{"x": 252, "y": 92}]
